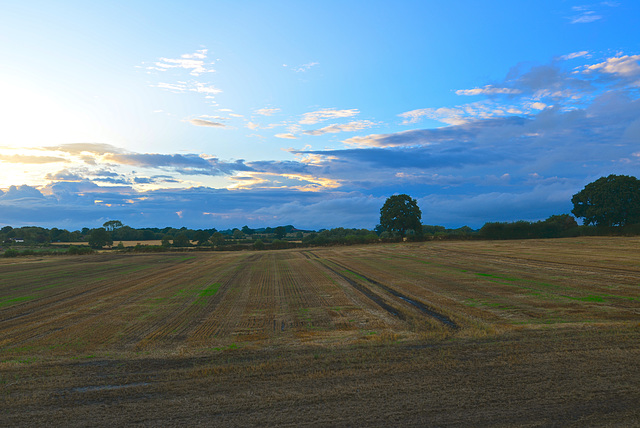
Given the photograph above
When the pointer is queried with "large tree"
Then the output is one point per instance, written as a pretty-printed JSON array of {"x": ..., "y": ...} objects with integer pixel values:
[
  {"x": 609, "y": 201},
  {"x": 399, "y": 214},
  {"x": 112, "y": 225},
  {"x": 99, "y": 238}
]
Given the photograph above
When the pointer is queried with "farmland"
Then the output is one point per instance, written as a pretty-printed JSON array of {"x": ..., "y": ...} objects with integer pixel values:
[{"x": 532, "y": 332}]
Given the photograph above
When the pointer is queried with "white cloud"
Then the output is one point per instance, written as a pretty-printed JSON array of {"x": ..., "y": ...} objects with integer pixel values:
[
  {"x": 203, "y": 122},
  {"x": 174, "y": 87},
  {"x": 305, "y": 67},
  {"x": 201, "y": 54},
  {"x": 203, "y": 88},
  {"x": 314, "y": 117},
  {"x": 488, "y": 90},
  {"x": 198, "y": 87},
  {"x": 626, "y": 66},
  {"x": 450, "y": 115},
  {"x": 585, "y": 17},
  {"x": 267, "y": 111},
  {"x": 538, "y": 106},
  {"x": 575, "y": 55},
  {"x": 288, "y": 136},
  {"x": 193, "y": 62},
  {"x": 347, "y": 127},
  {"x": 254, "y": 125}
]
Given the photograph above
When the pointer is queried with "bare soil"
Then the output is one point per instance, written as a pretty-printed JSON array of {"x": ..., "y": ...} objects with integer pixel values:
[{"x": 520, "y": 333}]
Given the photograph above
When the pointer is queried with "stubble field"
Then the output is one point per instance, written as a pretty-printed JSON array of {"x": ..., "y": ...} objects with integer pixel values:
[{"x": 530, "y": 333}]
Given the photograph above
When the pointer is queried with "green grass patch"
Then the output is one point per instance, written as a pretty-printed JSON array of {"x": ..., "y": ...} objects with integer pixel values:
[
  {"x": 227, "y": 348},
  {"x": 504, "y": 278},
  {"x": 9, "y": 302},
  {"x": 591, "y": 298},
  {"x": 211, "y": 290},
  {"x": 202, "y": 295}
]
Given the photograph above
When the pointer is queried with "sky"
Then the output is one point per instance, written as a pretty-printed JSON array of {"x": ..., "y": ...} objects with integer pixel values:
[{"x": 227, "y": 113}]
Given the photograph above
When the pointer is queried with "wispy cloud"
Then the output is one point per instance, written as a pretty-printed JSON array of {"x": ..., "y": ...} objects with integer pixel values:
[
  {"x": 286, "y": 136},
  {"x": 267, "y": 111},
  {"x": 304, "y": 67},
  {"x": 488, "y": 90},
  {"x": 346, "y": 127},
  {"x": 466, "y": 113},
  {"x": 27, "y": 159},
  {"x": 585, "y": 17},
  {"x": 79, "y": 148},
  {"x": 574, "y": 55},
  {"x": 204, "y": 122},
  {"x": 311, "y": 118},
  {"x": 202, "y": 88},
  {"x": 194, "y": 63},
  {"x": 585, "y": 14}
]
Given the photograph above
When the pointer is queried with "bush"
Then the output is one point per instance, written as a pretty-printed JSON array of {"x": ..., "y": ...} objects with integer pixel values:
[
  {"x": 11, "y": 253},
  {"x": 75, "y": 250}
]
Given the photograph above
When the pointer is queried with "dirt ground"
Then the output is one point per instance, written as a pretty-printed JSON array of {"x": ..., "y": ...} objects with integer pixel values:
[
  {"x": 523, "y": 333},
  {"x": 529, "y": 378}
]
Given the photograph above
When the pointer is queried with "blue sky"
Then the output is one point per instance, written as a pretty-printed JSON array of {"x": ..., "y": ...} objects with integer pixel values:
[{"x": 226, "y": 113}]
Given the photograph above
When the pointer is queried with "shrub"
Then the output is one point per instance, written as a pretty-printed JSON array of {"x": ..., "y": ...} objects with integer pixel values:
[
  {"x": 10, "y": 252},
  {"x": 75, "y": 250}
]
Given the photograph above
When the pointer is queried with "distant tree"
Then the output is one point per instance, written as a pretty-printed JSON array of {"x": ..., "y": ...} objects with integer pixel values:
[
  {"x": 99, "y": 237},
  {"x": 148, "y": 235},
  {"x": 112, "y": 225},
  {"x": 280, "y": 232},
  {"x": 247, "y": 231},
  {"x": 217, "y": 239},
  {"x": 399, "y": 214},
  {"x": 181, "y": 240},
  {"x": 126, "y": 233},
  {"x": 433, "y": 230},
  {"x": 202, "y": 237},
  {"x": 609, "y": 201},
  {"x": 555, "y": 226},
  {"x": 237, "y": 234},
  {"x": 258, "y": 245},
  {"x": 167, "y": 240}
]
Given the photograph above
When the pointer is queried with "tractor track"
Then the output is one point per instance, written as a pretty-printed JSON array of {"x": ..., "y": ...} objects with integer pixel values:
[
  {"x": 443, "y": 319},
  {"x": 368, "y": 293},
  {"x": 419, "y": 305}
]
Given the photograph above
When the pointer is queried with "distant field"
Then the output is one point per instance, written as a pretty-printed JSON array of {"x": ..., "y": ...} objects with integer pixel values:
[
  {"x": 114, "y": 328},
  {"x": 125, "y": 243}
]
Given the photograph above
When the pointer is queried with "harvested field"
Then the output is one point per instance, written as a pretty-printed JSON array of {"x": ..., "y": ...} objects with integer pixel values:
[{"x": 540, "y": 332}]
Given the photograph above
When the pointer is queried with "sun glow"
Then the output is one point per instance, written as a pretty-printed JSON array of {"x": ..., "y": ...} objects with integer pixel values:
[{"x": 34, "y": 118}]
